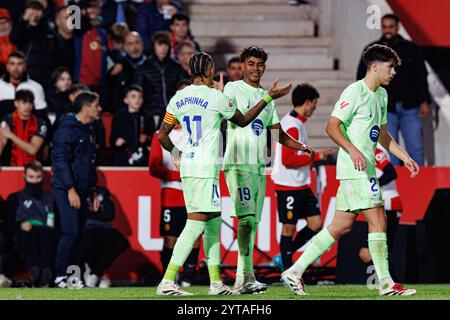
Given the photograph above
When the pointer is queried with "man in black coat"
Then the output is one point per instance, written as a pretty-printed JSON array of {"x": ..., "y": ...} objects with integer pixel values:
[
  {"x": 74, "y": 179},
  {"x": 158, "y": 76},
  {"x": 33, "y": 36},
  {"x": 32, "y": 211},
  {"x": 134, "y": 58},
  {"x": 408, "y": 93}
]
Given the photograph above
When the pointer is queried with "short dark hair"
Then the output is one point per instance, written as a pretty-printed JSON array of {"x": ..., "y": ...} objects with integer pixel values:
[
  {"x": 179, "y": 17},
  {"x": 391, "y": 16},
  {"x": 24, "y": 95},
  {"x": 34, "y": 165},
  {"x": 17, "y": 54},
  {"x": 133, "y": 87},
  {"x": 84, "y": 99},
  {"x": 302, "y": 93},
  {"x": 57, "y": 73},
  {"x": 199, "y": 63},
  {"x": 379, "y": 52},
  {"x": 253, "y": 51},
  {"x": 161, "y": 37},
  {"x": 233, "y": 60},
  {"x": 34, "y": 4},
  {"x": 183, "y": 82},
  {"x": 183, "y": 44},
  {"x": 79, "y": 87}
]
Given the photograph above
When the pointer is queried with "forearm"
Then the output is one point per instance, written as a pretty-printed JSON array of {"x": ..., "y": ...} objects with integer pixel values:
[
  {"x": 286, "y": 140},
  {"x": 165, "y": 142},
  {"x": 335, "y": 133},
  {"x": 393, "y": 147},
  {"x": 25, "y": 146},
  {"x": 244, "y": 120}
]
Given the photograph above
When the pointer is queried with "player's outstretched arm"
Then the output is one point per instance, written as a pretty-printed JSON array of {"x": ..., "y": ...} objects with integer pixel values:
[
  {"x": 334, "y": 131},
  {"x": 392, "y": 146},
  {"x": 274, "y": 93},
  {"x": 286, "y": 140}
]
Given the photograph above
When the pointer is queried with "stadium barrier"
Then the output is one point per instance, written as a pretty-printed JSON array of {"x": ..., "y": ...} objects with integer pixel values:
[{"x": 137, "y": 198}]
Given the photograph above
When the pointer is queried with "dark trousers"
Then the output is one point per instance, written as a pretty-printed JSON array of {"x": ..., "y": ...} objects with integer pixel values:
[
  {"x": 72, "y": 222},
  {"x": 100, "y": 247},
  {"x": 37, "y": 247},
  {"x": 2, "y": 243}
]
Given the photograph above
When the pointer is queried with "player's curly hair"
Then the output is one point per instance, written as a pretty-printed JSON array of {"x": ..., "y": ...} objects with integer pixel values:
[
  {"x": 253, "y": 51},
  {"x": 379, "y": 52},
  {"x": 199, "y": 64}
]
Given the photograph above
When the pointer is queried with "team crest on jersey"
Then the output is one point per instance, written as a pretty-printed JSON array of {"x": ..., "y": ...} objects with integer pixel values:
[
  {"x": 230, "y": 104},
  {"x": 374, "y": 133},
  {"x": 257, "y": 127}
]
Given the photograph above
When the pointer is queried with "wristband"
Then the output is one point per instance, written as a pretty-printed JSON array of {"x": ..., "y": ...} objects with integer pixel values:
[{"x": 267, "y": 98}]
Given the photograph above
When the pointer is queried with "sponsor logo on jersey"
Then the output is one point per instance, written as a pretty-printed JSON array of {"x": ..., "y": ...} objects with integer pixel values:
[
  {"x": 344, "y": 104},
  {"x": 374, "y": 133},
  {"x": 257, "y": 127}
]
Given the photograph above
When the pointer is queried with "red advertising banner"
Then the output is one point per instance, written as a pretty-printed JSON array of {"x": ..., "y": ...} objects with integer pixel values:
[{"x": 137, "y": 198}]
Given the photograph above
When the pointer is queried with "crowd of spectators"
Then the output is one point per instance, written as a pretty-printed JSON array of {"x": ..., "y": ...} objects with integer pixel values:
[{"x": 133, "y": 53}]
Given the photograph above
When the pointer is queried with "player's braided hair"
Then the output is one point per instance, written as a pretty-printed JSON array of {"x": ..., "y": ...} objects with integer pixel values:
[{"x": 199, "y": 64}]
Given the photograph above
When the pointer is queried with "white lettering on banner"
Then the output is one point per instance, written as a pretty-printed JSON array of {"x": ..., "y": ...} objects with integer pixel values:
[
  {"x": 145, "y": 226},
  {"x": 227, "y": 234}
]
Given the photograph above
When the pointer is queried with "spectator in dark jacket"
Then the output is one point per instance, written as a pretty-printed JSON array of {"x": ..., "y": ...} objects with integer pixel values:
[
  {"x": 58, "y": 96},
  {"x": 101, "y": 244},
  {"x": 131, "y": 131},
  {"x": 120, "y": 11},
  {"x": 155, "y": 16},
  {"x": 65, "y": 40},
  {"x": 134, "y": 57},
  {"x": 74, "y": 178},
  {"x": 32, "y": 35},
  {"x": 408, "y": 93},
  {"x": 185, "y": 50},
  {"x": 4, "y": 281},
  {"x": 34, "y": 217},
  {"x": 158, "y": 76}
]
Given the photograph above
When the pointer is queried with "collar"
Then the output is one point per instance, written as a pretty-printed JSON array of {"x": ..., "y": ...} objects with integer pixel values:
[{"x": 294, "y": 114}]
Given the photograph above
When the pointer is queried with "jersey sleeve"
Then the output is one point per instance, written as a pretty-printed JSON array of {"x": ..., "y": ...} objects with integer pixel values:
[
  {"x": 384, "y": 111},
  {"x": 42, "y": 130},
  {"x": 346, "y": 105},
  {"x": 170, "y": 116},
  {"x": 225, "y": 106}
]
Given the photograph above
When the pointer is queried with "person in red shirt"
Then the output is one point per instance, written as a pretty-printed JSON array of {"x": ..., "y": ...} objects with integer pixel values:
[
  {"x": 22, "y": 134},
  {"x": 291, "y": 175},
  {"x": 6, "y": 47},
  {"x": 173, "y": 210}
]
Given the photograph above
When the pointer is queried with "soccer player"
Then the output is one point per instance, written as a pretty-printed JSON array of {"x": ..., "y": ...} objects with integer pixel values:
[
  {"x": 357, "y": 123},
  {"x": 200, "y": 108},
  {"x": 291, "y": 175},
  {"x": 245, "y": 165}
]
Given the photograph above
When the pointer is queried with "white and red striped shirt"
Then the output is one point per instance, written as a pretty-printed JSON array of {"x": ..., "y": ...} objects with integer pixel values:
[
  {"x": 162, "y": 167},
  {"x": 291, "y": 168}
]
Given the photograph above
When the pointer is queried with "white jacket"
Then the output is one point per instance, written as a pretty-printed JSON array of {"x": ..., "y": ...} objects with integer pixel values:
[{"x": 8, "y": 92}]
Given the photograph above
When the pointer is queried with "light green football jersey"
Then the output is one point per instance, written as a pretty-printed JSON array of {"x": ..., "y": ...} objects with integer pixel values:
[
  {"x": 200, "y": 111},
  {"x": 362, "y": 113},
  {"x": 246, "y": 147}
]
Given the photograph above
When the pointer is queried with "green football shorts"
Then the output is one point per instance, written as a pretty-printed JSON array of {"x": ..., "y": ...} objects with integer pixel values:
[
  {"x": 247, "y": 192},
  {"x": 201, "y": 194},
  {"x": 355, "y": 195}
]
